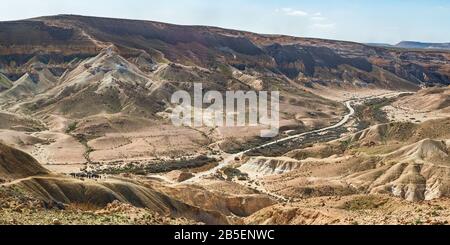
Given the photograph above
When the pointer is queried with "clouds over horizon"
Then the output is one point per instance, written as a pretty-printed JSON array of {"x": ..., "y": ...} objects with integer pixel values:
[
  {"x": 293, "y": 12},
  {"x": 317, "y": 20}
]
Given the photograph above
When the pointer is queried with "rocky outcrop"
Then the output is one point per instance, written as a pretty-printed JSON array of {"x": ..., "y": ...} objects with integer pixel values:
[
  {"x": 262, "y": 166},
  {"x": 5, "y": 83}
]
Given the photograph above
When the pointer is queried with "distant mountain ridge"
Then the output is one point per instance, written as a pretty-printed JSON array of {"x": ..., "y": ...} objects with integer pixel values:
[
  {"x": 414, "y": 45},
  {"x": 421, "y": 45},
  {"x": 60, "y": 43}
]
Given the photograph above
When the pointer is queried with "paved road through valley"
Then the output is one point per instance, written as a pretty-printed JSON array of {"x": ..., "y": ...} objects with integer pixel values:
[{"x": 231, "y": 158}]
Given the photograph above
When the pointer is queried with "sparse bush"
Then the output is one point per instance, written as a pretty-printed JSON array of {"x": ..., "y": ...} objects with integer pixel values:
[
  {"x": 72, "y": 127},
  {"x": 232, "y": 173}
]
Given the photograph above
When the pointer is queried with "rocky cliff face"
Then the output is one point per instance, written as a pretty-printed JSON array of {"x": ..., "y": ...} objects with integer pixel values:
[{"x": 59, "y": 41}]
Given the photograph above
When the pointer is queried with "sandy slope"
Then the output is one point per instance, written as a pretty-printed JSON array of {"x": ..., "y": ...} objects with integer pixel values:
[
  {"x": 377, "y": 160},
  {"x": 15, "y": 164},
  {"x": 427, "y": 104}
]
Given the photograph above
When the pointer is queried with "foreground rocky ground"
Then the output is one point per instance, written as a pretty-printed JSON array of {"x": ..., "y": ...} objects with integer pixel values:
[
  {"x": 17, "y": 209},
  {"x": 355, "y": 210}
]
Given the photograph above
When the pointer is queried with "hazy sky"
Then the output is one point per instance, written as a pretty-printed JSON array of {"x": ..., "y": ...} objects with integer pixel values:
[{"x": 387, "y": 21}]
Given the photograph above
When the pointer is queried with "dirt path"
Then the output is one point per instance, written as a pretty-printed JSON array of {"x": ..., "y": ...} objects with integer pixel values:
[
  {"x": 231, "y": 158},
  {"x": 253, "y": 183}
]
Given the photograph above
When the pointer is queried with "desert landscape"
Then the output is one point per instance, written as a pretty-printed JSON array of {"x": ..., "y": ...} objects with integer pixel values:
[{"x": 86, "y": 135}]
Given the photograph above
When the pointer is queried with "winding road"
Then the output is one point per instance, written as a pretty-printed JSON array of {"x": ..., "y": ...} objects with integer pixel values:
[{"x": 231, "y": 158}]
